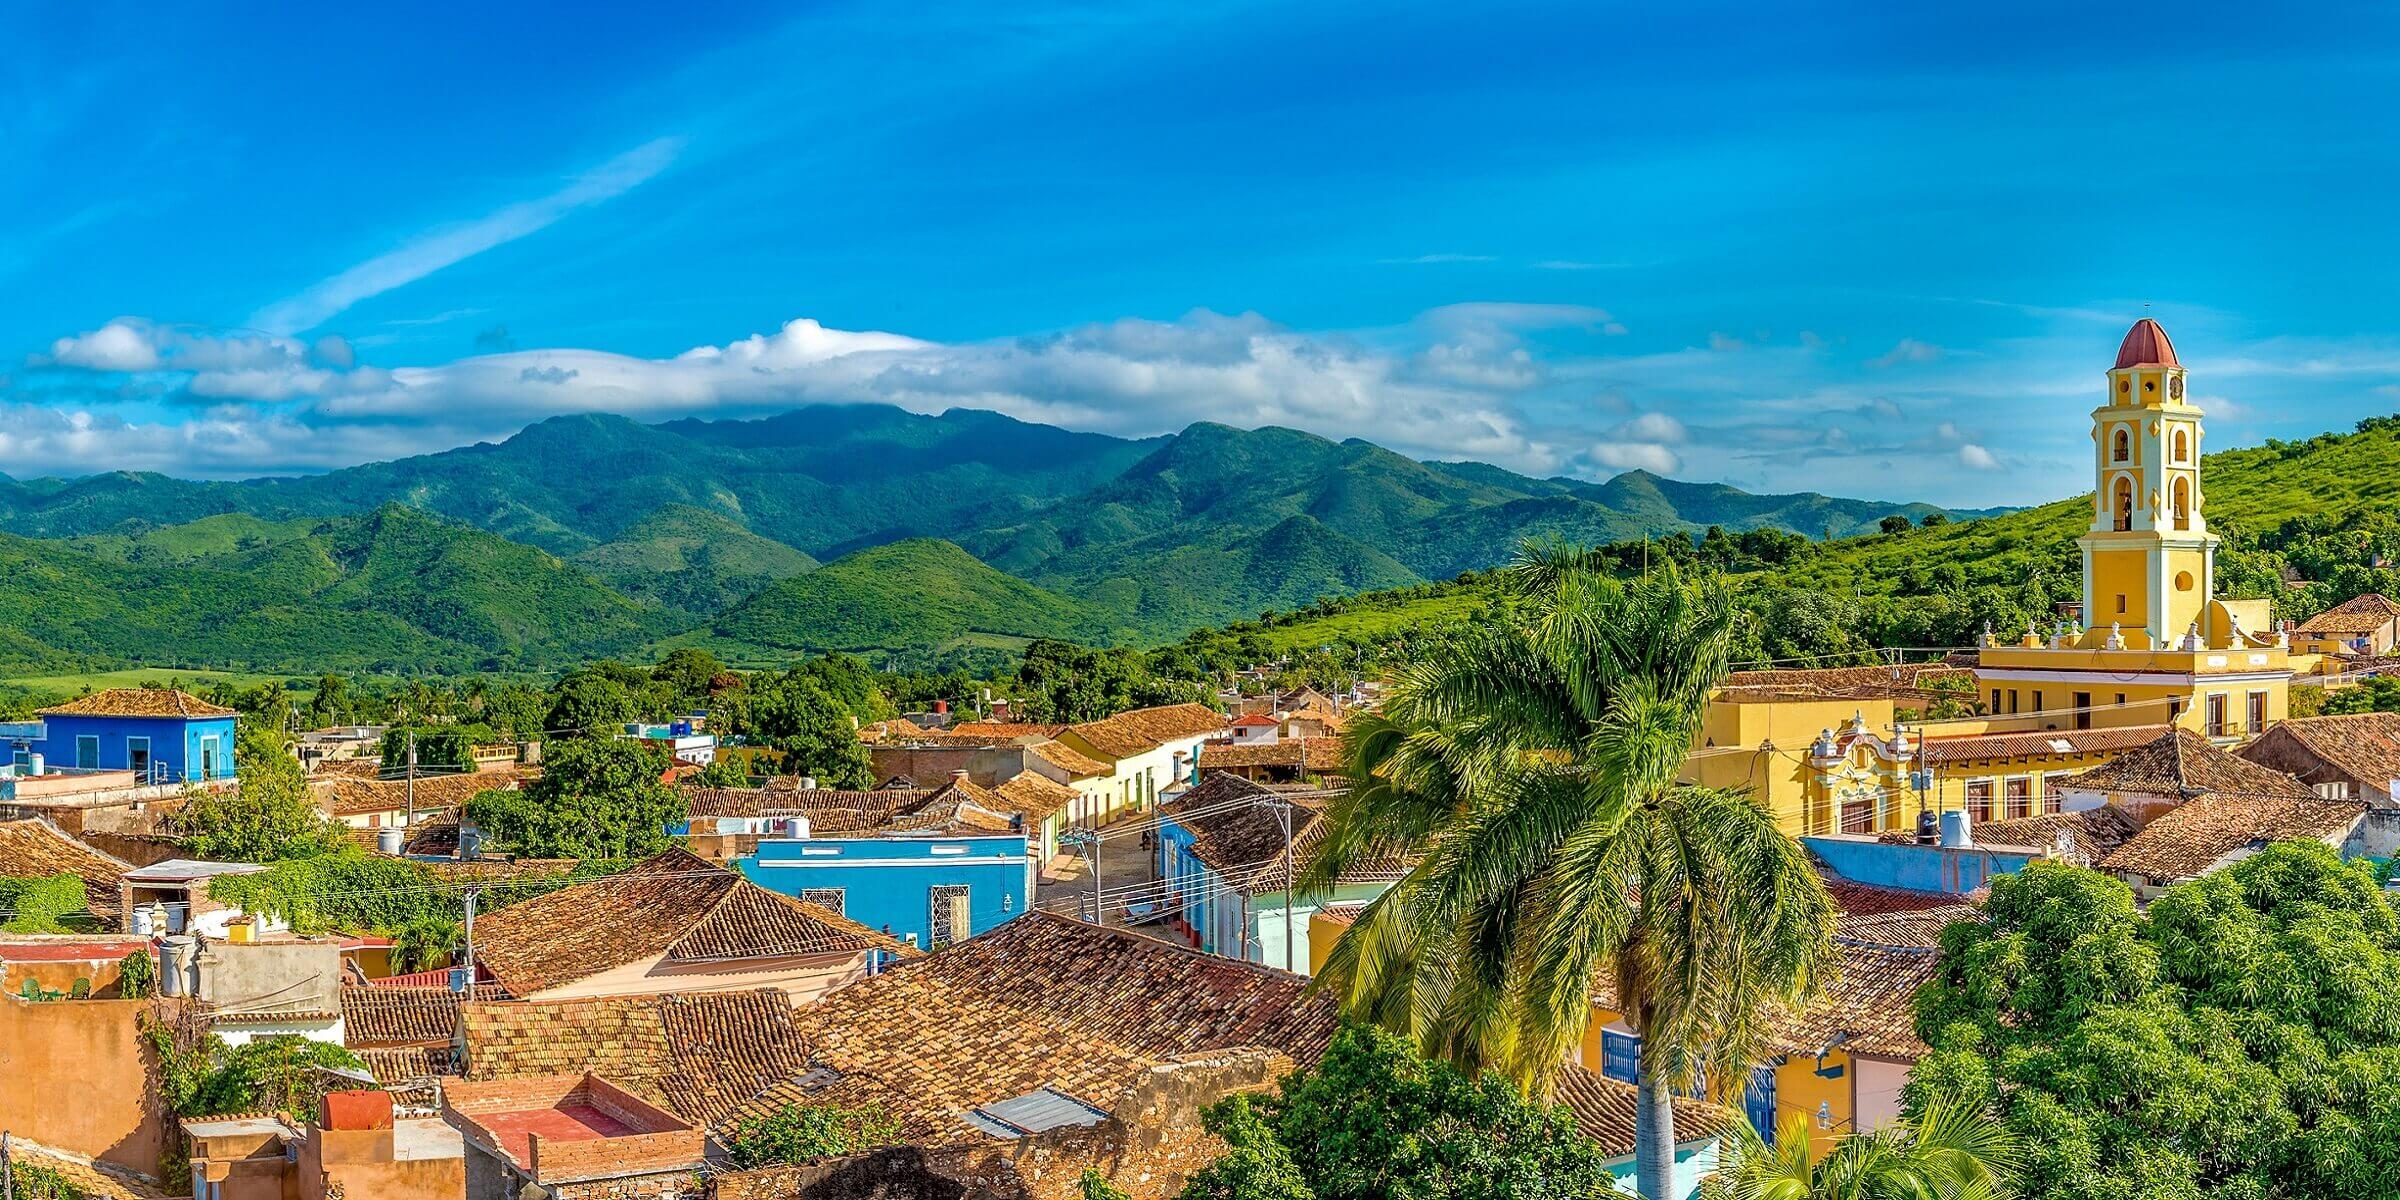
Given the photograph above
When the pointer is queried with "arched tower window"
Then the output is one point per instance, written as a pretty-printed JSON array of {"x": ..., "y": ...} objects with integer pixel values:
[
  {"x": 2122, "y": 448},
  {"x": 2183, "y": 502},
  {"x": 2123, "y": 504},
  {"x": 2183, "y": 446}
]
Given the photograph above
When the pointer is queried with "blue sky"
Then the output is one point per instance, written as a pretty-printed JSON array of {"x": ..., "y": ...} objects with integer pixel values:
[{"x": 1867, "y": 250}]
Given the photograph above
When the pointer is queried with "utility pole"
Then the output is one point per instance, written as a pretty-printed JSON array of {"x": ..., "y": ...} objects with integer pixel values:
[
  {"x": 411, "y": 788},
  {"x": 1283, "y": 811},
  {"x": 469, "y": 992}
]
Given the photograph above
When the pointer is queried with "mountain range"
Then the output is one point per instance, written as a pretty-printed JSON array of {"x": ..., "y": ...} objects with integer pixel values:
[{"x": 858, "y": 528}]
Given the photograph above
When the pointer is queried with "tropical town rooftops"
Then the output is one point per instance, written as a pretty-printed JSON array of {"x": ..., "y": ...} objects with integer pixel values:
[
  {"x": 2359, "y": 614},
  {"x": 1130, "y": 733},
  {"x": 138, "y": 702},
  {"x": 2195, "y": 835},
  {"x": 2183, "y": 763},
  {"x": 674, "y": 905}
]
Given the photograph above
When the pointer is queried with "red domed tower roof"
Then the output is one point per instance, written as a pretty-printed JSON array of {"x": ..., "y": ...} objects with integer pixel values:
[{"x": 2146, "y": 345}]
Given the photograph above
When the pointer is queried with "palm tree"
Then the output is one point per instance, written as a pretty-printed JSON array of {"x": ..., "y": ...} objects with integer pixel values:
[
  {"x": 1530, "y": 770},
  {"x": 1953, "y": 1152}
]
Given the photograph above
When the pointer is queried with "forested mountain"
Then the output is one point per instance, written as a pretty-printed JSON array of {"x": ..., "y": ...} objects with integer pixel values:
[
  {"x": 393, "y": 588},
  {"x": 585, "y": 534}
]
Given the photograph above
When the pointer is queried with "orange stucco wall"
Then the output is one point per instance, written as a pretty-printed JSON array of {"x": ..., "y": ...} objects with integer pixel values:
[{"x": 89, "y": 1052}]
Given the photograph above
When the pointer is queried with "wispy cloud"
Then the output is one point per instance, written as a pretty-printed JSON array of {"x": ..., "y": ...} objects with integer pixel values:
[
  {"x": 1910, "y": 350},
  {"x": 445, "y": 247}
]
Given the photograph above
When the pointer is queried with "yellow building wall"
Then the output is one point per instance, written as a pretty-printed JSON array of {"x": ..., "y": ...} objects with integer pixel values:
[
  {"x": 1761, "y": 745},
  {"x": 2120, "y": 573},
  {"x": 1799, "y": 1090}
]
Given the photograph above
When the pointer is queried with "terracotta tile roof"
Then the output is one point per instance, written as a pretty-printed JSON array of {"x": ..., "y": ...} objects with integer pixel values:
[
  {"x": 138, "y": 702},
  {"x": 2087, "y": 836},
  {"x": 1920, "y": 928},
  {"x": 1905, "y": 681},
  {"x": 346, "y": 796},
  {"x": 2364, "y": 746},
  {"x": 1303, "y": 754},
  {"x": 2183, "y": 763},
  {"x": 897, "y": 729},
  {"x": 397, "y": 1016},
  {"x": 1255, "y": 720},
  {"x": 1855, "y": 899},
  {"x": 1042, "y": 1001},
  {"x": 2188, "y": 839},
  {"x": 829, "y": 810},
  {"x": 1068, "y": 759},
  {"x": 350, "y": 768},
  {"x": 1008, "y": 730},
  {"x": 1130, "y": 733},
  {"x": 1871, "y": 1004},
  {"x": 675, "y": 905},
  {"x": 1034, "y": 795},
  {"x": 393, "y": 1065},
  {"x": 88, "y": 1180},
  {"x": 2046, "y": 743},
  {"x": 698, "y": 1055},
  {"x": 36, "y": 849},
  {"x": 2358, "y": 614},
  {"x": 1244, "y": 843},
  {"x": 1604, "y": 1110}
]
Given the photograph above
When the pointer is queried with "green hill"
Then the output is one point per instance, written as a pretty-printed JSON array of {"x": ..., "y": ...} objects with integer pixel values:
[
  {"x": 665, "y": 528},
  {"x": 692, "y": 559},
  {"x": 2305, "y": 523},
  {"x": 393, "y": 587},
  {"x": 915, "y": 594}
]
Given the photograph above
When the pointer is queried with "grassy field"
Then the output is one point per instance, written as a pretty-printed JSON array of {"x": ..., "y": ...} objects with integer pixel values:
[
  {"x": 188, "y": 679},
  {"x": 1369, "y": 622}
]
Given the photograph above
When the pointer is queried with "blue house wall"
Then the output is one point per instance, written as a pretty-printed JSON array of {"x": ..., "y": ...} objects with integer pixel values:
[
  {"x": 888, "y": 882},
  {"x": 1945, "y": 869},
  {"x": 181, "y": 748}
]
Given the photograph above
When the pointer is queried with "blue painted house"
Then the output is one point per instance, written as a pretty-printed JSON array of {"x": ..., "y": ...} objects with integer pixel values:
[
  {"x": 1222, "y": 845},
  {"x": 928, "y": 890},
  {"x": 162, "y": 734}
]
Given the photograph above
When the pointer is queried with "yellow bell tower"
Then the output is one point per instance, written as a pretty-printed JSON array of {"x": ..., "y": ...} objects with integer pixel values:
[{"x": 2149, "y": 561}]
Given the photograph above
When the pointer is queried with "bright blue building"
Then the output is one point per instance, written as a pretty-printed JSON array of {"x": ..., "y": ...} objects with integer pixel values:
[
  {"x": 928, "y": 890},
  {"x": 166, "y": 736}
]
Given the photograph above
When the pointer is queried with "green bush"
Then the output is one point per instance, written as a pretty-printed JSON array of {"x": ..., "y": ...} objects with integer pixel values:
[
  {"x": 52, "y": 905},
  {"x": 799, "y": 1133}
]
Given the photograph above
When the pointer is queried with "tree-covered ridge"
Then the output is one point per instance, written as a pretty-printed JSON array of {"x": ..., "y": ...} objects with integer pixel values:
[
  {"x": 393, "y": 587},
  {"x": 1155, "y": 537}
]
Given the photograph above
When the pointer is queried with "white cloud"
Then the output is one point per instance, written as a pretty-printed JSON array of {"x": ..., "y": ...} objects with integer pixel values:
[
  {"x": 1130, "y": 377},
  {"x": 1910, "y": 350},
  {"x": 1723, "y": 342},
  {"x": 442, "y": 248},
  {"x": 1654, "y": 427},
  {"x": 116, "y": 346},
  {"x": 1631, "y": 456},
  {"x": 1977, "y": 458}
]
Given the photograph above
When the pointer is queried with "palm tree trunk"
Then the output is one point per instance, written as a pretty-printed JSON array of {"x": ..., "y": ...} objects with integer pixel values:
[{"x": 1654, "y": 1138}]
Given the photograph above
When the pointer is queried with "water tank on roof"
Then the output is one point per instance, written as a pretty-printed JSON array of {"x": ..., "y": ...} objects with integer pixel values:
[
  {"x": 470, "y": 843},
  {"x": 33, "y": 764},
  {"x": 387, "y": 841},
  {"x": 1957, "y": 831}
]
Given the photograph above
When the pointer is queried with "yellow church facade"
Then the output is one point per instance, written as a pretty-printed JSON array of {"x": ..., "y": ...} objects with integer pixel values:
[
  {"x": 2154, "y": 645},
  {"x": 1845, "y": 750}
]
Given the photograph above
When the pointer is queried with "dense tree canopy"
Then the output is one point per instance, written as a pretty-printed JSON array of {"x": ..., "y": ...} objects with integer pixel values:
[
  {"x": 1372, "y": 1121},
  {"x": 596, "y": 798},
  {"x": 2240, "y": 1039},
  {"x": 267, "y": 816}
]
